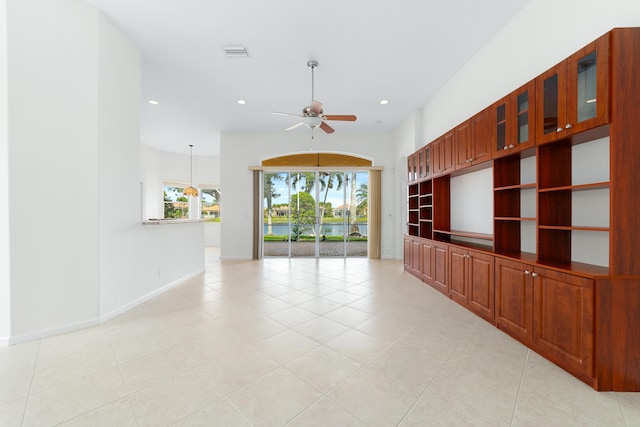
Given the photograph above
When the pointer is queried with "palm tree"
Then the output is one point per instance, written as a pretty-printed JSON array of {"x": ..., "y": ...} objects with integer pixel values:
[
  {"x": 327, "y": 181},
  {"x": 353, "y": 207},
  {"x": 362, "y": 197},
  {"x": 270, "y": 193}
]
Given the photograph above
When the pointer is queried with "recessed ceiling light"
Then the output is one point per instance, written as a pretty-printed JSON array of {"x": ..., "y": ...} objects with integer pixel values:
[
  {"x": 153, "y": 102},
  {"x": 241, "y": 101},
  {"x": 384, "y": 102}
]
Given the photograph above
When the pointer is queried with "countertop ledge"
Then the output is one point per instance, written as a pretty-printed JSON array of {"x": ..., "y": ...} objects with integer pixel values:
[{"x": 159, "y": 221}]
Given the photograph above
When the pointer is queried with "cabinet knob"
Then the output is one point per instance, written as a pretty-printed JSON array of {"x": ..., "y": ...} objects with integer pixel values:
[
  {"x": 559, "y": 130},
  {"x": 505, "y": 148},
  {"x": 511, "y": 146},
  {"x": 527, "y": 272},
  {"x": 471, "y": 160},
  {"x": 534, "y": 274},
  {"x": 568, "y": 126}
]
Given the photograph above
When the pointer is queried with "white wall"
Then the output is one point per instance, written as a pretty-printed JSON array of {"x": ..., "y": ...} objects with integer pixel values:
[
  {"x": 73, "y": 148},
  {"x": 406, "y": 141},
  {"x": 243, "y": 149},
  {"x": 5, "y": 260},
  {"x": 53, "y": 152}
]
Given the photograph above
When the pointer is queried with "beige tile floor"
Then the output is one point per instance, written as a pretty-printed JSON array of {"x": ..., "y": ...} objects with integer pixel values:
[{"x": 300, "y": 342}]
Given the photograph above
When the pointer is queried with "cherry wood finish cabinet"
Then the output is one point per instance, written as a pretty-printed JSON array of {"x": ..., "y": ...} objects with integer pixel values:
[
  {"x": 513, "y": 120},
  {"x": 551, "y": 312},
  {"x": 412, "y": 256},
  {"x": 513, "y": 299},
  {"x": 471, "y": 280},
  {"x": 442, "y": 155},
  {"x": 574, "y": 95},
  {"x": 428, "y": 262},
  {"x": 563, "y": 320},
  {"x": 473, "y": 140},
  {"x": 440, "y": 271},
  {"x": 531, "y": 278}
]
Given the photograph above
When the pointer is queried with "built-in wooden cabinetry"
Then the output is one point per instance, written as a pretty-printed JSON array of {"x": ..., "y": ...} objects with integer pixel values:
[
  {"x": 442, "y": 154},
  {"x": 560, "y": 272},
  {"x": 513, "y": 121},
  {"x": 573, "y": 96},
  {"x": 472, "y": 141}
]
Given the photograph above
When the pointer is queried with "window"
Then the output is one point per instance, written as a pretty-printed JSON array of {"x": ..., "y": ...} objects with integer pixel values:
[
  {"x": 176, "y": 204},
  {"x": 210, "y": 204}
]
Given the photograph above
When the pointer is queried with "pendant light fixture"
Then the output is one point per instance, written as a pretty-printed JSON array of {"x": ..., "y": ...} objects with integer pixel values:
[{"x": 191, "y": 191}]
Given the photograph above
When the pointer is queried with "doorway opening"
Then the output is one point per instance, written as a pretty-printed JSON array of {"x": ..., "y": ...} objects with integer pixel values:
[{"x": 315, "y": 213}]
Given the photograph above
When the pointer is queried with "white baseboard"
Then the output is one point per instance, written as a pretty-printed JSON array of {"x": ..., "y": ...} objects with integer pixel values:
[
  {"x": 44, "y": 333},
  {"x": 148, "y": 296}
]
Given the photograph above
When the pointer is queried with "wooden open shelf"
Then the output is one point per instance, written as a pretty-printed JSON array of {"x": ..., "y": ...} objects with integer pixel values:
[
  {"x": 467, "y": 234},
  {"x": 581, "y": 187}
]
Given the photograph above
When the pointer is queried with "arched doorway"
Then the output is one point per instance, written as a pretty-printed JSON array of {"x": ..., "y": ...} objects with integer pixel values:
[{"x": 317, "y": 205}]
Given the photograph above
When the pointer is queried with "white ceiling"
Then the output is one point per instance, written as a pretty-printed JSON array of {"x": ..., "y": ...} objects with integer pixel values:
[{"x": 368, "y": 50}]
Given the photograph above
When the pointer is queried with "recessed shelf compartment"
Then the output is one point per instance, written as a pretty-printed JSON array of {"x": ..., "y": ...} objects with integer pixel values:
[{"x": 466, "y": 234}]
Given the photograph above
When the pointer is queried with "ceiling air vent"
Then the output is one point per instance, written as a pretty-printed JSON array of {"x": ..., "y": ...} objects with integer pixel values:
[{"x": 236, "y": 52}]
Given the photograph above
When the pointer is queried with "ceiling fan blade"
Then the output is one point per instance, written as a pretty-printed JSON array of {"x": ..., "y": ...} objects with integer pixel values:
[
  {"x": 325, "y": 127},
  {"x": 295, "y": 126},
  {"x": 344, "y": 118},
  {"x": 316, "y": 107},
  {"x": 286, "y": 114}
]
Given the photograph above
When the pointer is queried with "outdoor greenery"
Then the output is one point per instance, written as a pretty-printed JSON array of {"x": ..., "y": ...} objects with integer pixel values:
[
  {"x": 178, "y": 208},
  {"x": 301, "y": 209}
]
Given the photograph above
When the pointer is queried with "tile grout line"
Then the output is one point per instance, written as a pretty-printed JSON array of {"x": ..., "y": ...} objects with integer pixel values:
[
  {"x": 624, "y": 418},
  {"x": 363, "y": 365},
  {"x": 33, "y": 374},
  {"x": 438, "y": 371},
  {"x": 515, "y": 404}
]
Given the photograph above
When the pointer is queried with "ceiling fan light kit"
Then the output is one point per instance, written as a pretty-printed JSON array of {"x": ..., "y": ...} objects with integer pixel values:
[{"x": 312, "y": 115}]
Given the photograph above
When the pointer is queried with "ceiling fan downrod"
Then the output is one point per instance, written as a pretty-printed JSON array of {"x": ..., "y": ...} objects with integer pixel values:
[{"x": 312, "y": 64}]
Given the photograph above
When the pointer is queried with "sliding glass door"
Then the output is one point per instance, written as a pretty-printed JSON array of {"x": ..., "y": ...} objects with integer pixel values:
[{"x": 315, "y": 213}]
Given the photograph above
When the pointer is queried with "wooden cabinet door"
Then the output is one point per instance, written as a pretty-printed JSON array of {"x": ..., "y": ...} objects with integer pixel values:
[
  {"x": 462, "y": 145},
  {"x": 436, "y": 158},
  {"x": 514, "y": 299},
  {"x": 427, "y": 262},
  {"x": 458, "y": 275},
  {"x": 588, "y": 87},
  {"x": 426, "y": 153},
  {"x": 481, "y": 285},
  {"x": 551, "y": 114},
  {"x": 415, "y": 257},
  {"x": 447, "y": 153},
  {"x": 440, "y": 257},
  {"x": 563, "y": 327},
  {"x": 407, "y": 254},
  {"x": 481, "y": 137}
]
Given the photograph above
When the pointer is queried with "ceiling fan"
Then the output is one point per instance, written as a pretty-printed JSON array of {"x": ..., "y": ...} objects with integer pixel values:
[{"x": 312, "y": 115}]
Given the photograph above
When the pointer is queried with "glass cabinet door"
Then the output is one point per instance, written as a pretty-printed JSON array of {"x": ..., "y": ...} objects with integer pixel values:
[
  {"x": 427, "y": 161},
  {"x": 501, "y": 126},
  {"x": 522, "y": 106},
  {"x": 588, "y": 86},
  {"x": 551, "y": 92},
  {"x": 524, "y": 118},
  {"x": 514, "y": 121},
  {"x": 587, "y": 98}
]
